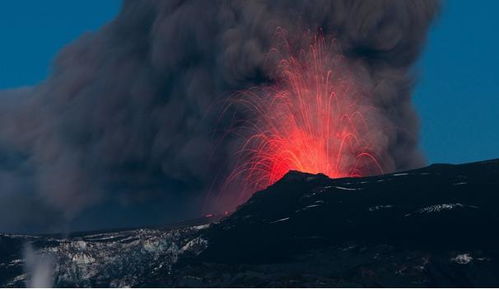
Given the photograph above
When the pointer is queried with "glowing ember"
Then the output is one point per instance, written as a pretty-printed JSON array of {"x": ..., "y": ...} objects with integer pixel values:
[{"x": 313, "y": 119}]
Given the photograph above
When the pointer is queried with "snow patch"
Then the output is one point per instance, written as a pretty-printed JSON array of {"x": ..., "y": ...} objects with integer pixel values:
[
  {"x": 439, "y": 208},
  {"x": 82, "y": 259},
  {"x": 379, "y": 207},
  {"x": 280, "y": 220},
  {"x": 462, "y": 259},
  {"x": 201, "y": 227},
  {"x": 196, "y": 245},
  {"x": 400, "y": 174},
  {"x": 347, "y": 189}
]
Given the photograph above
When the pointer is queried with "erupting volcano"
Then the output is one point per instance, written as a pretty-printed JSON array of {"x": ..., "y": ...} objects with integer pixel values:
[
  {"x": 315, "y": 118},
  {"x": 189, "y": 107}
]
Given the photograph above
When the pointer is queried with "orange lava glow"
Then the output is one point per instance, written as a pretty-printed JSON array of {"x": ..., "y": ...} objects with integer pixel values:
[{"x": 311, "y": 120}]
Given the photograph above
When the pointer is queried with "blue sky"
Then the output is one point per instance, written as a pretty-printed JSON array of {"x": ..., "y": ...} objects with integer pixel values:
[
  {"x": 456, "y": 94},
  {"x": 33, "y": 31}
]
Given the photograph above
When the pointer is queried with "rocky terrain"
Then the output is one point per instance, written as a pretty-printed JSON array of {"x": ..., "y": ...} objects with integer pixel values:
[{"x": 435, "y": 226}]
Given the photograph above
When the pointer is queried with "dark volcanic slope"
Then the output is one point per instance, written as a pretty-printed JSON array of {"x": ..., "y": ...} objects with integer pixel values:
[{"x": 436, "y": 226}]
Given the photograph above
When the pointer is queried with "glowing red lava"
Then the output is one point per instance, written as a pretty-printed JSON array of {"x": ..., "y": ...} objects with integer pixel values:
[{"x": 313, "y": 119}]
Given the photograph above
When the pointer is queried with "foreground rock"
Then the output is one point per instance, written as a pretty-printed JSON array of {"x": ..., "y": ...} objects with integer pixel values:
[{"x": 436, "y": 226}]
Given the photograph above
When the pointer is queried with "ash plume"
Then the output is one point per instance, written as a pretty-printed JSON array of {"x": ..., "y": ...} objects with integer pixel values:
[{"x": 130, "y": 114}]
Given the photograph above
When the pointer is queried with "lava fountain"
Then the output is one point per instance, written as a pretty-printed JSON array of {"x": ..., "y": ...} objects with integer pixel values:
[{"x": 314, "y": 118}]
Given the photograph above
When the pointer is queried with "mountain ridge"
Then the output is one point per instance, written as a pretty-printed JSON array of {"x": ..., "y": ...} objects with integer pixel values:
[{"x": 436, "y": 226}]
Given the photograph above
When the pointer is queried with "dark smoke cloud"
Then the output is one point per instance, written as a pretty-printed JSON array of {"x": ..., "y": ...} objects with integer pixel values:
[{"x": 130, "y": 115}]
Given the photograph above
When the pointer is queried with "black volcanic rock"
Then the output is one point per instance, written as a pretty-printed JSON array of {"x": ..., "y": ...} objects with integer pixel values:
[{"x": 435, "y": 226}]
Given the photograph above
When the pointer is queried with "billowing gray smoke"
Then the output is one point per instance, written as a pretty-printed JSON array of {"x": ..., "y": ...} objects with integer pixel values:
[{"x": 127, "y": 128}]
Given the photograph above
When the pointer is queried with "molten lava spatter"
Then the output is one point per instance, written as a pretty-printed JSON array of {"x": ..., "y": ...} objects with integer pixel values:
[{"x": 313, "y": 119}]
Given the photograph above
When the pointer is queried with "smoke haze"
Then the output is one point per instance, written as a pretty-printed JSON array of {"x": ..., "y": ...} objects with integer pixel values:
[{"x": 127, "y": 129}]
